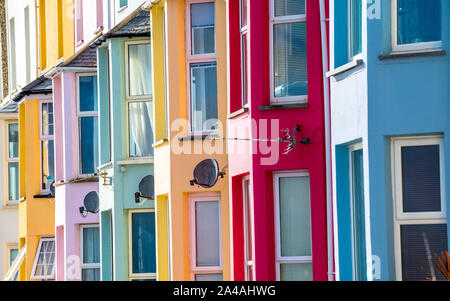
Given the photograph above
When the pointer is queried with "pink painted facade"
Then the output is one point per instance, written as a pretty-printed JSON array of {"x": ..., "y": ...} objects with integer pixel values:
[{"x": 245, "y": 160}]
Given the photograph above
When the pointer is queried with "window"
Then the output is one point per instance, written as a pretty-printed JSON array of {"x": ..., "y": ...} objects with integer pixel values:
[
  {"x": 355, "y": 28},
  {"x": 123, "y": 3},
  {"x": 79, "y": 21},
  {"x": 248, "y": 230},
  {"x": 244, "y": 48},
  {"x": 12, "y": 255},
  {"x": 142, "y": 245},
  {"x": 358, "y": 213},
  {"x": 27, "y": 44},
  {"x": 206, "y": 245},
  {"x": 44, "y": 263},
  {"x": 416, "y": 25},
  {"x": 99, "y": 6},
  {"x": 88, "y": 123},
  {"x": 202, "y": 67},
  {"x": 139, "y": 99},
  {"x": 288, "y": 48},
  {"x": 47, "y": 146},
  {"x": 420, "y": 219},
  {"x": 13, "y": 161},
  {"x": 12, "y": 41},
  {"x": 14, "y": 260},
  {"x": 293, "y": 227},
  {"x": 90, "y": 253}
]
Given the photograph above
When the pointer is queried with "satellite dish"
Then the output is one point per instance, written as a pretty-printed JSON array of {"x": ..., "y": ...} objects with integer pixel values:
[
  {"x": 91, "y": 202},
  {"x": 52, "y": 188},
  {"x": 206, "y": 173},
  {"x": 147, "y": 187}
]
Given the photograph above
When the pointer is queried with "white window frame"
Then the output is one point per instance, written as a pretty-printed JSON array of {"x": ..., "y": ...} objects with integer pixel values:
[
  {"x": 279, "y": 260},
  {"x": 132, "y": 99},
  {"x": 36, "y": 258},
  {"x": 244, "y": 68},
  {"x": 80, "y": 115},
  {"x": 134, "y": 276},
  {"x": 193, "y": 200},
  {"x": 8, "y": 161},
  {"x": 275, "y": 21},
  {"x": 87, "y": 266},
  {"x": 43, "y": 138},
  {"x": 414, "y": 47},
  {"x": 197, "y": 59},
  {"x": 425, "y": 218},
  {"x": 359, "y": 56},
  {"x": 248, "y": 198},
  {"x": 9, "y": 248}
]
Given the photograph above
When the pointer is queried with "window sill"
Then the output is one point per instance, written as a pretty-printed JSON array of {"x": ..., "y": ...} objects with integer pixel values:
[
  {"x": 104, "y": 167},
  {"x": 98, "y": 30},
  {"x": 344, "y": 68},
  {"x": 121, "y": 9},
  {"x": 160, "y": 143},
  {"x": 237, "y": 113},
  {"x": 44, "y": 196},
  {"x": 283, "y": 106},
  {"x": 401, "y": 55},
  {"x": 147, "y": 160},
  {"x": 198, "y": 137},
  {"x": 79, "y": 43},
  {"x": 11, "y": 205}
]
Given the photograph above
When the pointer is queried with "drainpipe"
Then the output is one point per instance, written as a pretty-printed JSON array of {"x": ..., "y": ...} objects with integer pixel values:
[{"x": 326, "y": 92}]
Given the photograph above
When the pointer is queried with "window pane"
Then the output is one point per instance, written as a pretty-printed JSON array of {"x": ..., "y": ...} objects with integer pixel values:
[
  {"x": 355, "y": 27},
  {"x": 248, "y": 221},
  {"x": 13, "y": 139},
  {"x": 140, "y": 67},
  {"x": 359, "y": 240},
  {"x": 295, "y": 216},
  {"x": 12, "y": 255},
  {"x": 204, "y": 97},
  {"x": 421, "y": 178},
  {"x": 203, "y": 28},
  {"x": 48, "y": 163},
  {"x": 289, "y": 48},
  {"x": 47, "y": 119},
  {"x": 13, "y": 181},
  {"x": 91, "y": 245},
  {"x": 289, "y": 7},
  {"x": 140, "y": 116},
  {"x": 416, "y": 239},
  {"x": 207, "y": 227},
  {"x": 143, "y": 242},
  {"x": 419, "y": 21},
  {"x": 243, "y": 13},
  {"x": 209, "y": 277},
  {"x": 244, "y": 71},
  {"x": 88, "y": 93},
  {"x": 90, "y": 275},
  {"x": 46, "y": 260},
  {"x": 89, "y": 145},
  {"x": 296, "y": 272}
]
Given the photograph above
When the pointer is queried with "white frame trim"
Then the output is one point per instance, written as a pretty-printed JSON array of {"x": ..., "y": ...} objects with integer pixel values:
[
  {"x": 36, "y": 258},
  {"x": 401, "y": 218},
  {"x": 359, "y": 56},
  {"x": 133, "y": 276},
  {"x": 193, "y": 199},
  {"x": 81, "y": 115},
  {"x": 9, "y": 160},
  {"x": 43, "y": 138},
  {"x": 279, "y": 260},
  {"x": 197, "y": 59},
  {"x": 244, "y": 75},
  {"x": 131, "y": 99},
  {"x": 248, "y": 198},
  {"x": 88, "y": 266},
  {"x": 275, "y": 21},
  {"x": 414, "y": 47}
]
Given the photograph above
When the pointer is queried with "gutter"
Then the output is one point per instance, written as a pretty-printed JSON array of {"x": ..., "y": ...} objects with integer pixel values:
[{"x": 326, "y": 91}]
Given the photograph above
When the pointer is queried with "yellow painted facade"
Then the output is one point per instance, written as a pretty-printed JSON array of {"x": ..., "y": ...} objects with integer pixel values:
[{"x": 173, "y": 171}]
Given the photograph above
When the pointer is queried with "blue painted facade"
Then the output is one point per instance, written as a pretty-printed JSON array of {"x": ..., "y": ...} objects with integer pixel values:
[{"x": 373, "y": 101}]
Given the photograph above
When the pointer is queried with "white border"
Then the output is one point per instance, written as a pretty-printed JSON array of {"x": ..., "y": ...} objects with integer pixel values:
[{"x": 36, "y": 258}]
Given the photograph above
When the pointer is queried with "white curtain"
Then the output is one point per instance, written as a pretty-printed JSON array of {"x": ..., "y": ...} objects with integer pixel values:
[
  {"x": 140, "y": 76},
  {"x": 141, "y": 121}
]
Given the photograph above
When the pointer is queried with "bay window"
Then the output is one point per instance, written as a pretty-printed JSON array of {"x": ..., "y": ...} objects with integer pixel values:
[
  {"x": 13, "y": 161},
  {"x": 142, "y": 242},
  {"x": 416, "y": 25},
  {"x": 201, "y": 66},
  {"x": 88, "y": 123},
  {"x": 293, "y": 226},
  {"x": 289, "y": 76},
  {"x": 47, "y": 145},
  {"x": 206, "y": 245},
  {"x": 420, "y": 221},
  {"x": 139, "y": 101},
  {"x": 90, "y": 253}
]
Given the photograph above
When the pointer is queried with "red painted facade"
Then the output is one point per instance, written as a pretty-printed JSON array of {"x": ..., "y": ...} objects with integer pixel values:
[{"x": 309, "y": 157}]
